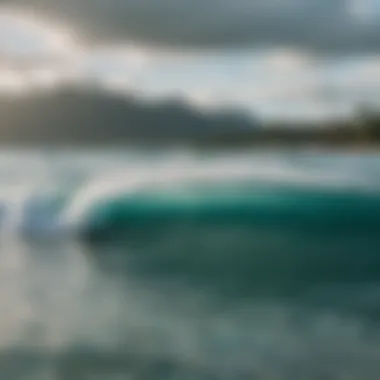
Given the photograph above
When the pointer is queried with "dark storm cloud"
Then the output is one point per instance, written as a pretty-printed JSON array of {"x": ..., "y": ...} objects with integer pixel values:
[{"x": 325, "y": 25}]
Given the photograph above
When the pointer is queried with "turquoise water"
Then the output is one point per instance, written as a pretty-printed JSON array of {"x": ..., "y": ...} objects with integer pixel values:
[{"x": 186, "y": 265}]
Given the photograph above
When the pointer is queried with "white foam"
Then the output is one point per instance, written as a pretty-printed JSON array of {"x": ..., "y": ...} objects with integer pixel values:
[
  {"x": 27, "y": 202},
  {"x": 126, "y": 182}
]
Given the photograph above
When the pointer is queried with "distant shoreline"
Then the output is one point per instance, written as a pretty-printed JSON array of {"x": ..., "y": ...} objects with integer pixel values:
[
  {"x": 349, "y": 147},
  {"x": 86, "y": 116}
]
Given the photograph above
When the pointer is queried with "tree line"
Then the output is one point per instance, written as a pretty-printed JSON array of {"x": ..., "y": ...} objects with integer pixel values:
[{"x": 90, "y": 115}]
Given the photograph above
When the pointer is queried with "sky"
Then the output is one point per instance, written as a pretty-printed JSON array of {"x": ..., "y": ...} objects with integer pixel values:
[{"x": 284, "y": 59}]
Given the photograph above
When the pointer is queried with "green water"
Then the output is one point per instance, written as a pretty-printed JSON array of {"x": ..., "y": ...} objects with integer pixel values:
[{"x": 179, "y": 265}]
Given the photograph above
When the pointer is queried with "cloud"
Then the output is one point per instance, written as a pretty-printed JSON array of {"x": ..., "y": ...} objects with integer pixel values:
[
  {"x": 11, "y": 82},
  {"x": 323, "y": 25},
  {"x": 299, "y": 86},
  {"x": 26, "y": 41},
  {"x": 35, "y": 53}
]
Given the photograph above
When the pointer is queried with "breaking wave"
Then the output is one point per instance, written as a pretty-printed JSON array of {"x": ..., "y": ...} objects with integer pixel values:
[
  {"x": 190, "y": 267},
  {"x": 194, "y": 192}
]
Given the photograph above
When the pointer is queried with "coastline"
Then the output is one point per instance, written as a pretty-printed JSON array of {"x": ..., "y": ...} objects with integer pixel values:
[{"x": 351, "y": 148}]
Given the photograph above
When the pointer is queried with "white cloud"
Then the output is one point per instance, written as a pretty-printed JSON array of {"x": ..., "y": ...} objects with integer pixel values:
[
  {"x": 363, "y": 11},
  {"x": 27, "y": 41},
  {"x": 283, "y": 80},
  {"x": 11, "y": 82},
  {"x": 284, "y": 62}
]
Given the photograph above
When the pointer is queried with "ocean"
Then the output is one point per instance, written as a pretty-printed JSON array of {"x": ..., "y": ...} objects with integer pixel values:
[{"x": 180, "y": 264}]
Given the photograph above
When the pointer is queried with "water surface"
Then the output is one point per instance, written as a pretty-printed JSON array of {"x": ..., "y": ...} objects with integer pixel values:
[{"x": 207, "y": 266}]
